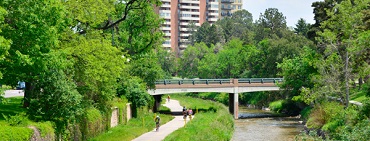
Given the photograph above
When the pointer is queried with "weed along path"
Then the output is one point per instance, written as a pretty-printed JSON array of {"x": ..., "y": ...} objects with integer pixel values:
[{"x": 167, "y": 128}]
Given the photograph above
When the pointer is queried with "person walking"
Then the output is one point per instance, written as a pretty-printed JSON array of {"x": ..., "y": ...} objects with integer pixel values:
[
  {"x": 157, "y": 123},
  {"x": 168, "y": 98},
  {"x": 184, "y": 112},
  {"x": 190, "y": 113}
]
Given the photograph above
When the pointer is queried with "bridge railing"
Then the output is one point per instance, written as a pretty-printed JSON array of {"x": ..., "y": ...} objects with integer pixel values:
[
  {"x": 260, "y": 80},
  {"x": 192, "y": 81},
  {"x": 217, "y": 81}
]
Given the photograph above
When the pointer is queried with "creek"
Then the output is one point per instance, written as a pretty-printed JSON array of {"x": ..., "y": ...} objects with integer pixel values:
[{"x": 260, "y": 125}]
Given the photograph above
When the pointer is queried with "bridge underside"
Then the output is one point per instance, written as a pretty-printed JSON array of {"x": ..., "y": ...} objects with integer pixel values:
[{"x": 233, "y": 93}]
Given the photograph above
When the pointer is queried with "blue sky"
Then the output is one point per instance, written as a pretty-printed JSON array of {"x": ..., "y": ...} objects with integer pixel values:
[{"x": 292, "y": 9}]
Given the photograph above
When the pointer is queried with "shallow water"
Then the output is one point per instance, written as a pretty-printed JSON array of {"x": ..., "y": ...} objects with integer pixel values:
[{"x": 265, "y": 129}]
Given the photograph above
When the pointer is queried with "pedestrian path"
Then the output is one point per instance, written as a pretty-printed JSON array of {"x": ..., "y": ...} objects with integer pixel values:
[{"x": 167, "y": 128}]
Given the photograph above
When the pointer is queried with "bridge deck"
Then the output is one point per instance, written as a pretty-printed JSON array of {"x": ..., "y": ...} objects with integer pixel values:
[{"x": 170, "y": 86}]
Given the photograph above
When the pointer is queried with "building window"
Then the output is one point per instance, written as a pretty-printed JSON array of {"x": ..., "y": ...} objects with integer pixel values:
[{"x": 167, "y": 42}]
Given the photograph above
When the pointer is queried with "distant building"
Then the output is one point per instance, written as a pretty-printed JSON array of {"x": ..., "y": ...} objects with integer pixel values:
[{"x": 179, "y": 13}]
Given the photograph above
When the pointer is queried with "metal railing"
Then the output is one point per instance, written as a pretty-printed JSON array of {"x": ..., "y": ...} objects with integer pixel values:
[
  {"x": 192, "y": 81},
  {"x": 260, "y": 80},
  {"x": 217, "y": 81}
]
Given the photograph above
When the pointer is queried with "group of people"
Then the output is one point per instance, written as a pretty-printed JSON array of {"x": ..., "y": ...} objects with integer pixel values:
[{"x": 186, "y": 112}]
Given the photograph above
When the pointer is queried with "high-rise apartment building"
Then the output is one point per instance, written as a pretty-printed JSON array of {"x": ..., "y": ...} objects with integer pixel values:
[{"x": 179, "y": 13}]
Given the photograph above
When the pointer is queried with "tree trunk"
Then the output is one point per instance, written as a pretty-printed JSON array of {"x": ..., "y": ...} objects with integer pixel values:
[
  {"x": 359, "y": 83},
  {"x": 27, "y": 95},
  {"x": 134, "y": 110},
  {"x": 346, "y": 79}
]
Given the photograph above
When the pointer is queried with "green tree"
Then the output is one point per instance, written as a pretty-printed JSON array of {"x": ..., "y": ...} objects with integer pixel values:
[
  {"x": 168, "y": 62},
  {"x": 189, "y": 60},
  {"x": 192, "y": 28},
  {"x": 270, "y": 24},
  {"x": 298, "y": 72},
  {"x": 147, "y": 68},
  {"x": 33, "y": 27},
  {"x": 4, "y": 46},
  {"x": 4, "y": 43},
  {"x": 97, "y": 65},
  {"x": 320, "y": 9},
  {"x": 238, "y": 26},
  {"x": 208, "y": 34},
  {"x": 134, "y": 89},
  {"x": 302, "y": 27},
  {"x": 57, "y": 98},
  {"x": 140, "y": 32},
  {"x": 339, "y": 36},
  {"x": 209, "y": 67}
]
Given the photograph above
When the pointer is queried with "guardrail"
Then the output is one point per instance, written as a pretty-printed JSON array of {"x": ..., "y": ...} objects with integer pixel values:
[
  {"x": 260, "y": 80},
  {"x": 217, "y": 81},
  {"x": 193, "y": 81}
]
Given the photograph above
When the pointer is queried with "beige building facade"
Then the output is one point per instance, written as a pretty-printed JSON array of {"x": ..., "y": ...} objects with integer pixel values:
[{"x": 178, "y": 14}]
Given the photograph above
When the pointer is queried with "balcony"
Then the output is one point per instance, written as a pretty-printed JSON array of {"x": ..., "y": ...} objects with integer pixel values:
[
  {"x": 167, "y": 45},
  {"x": 189, "y": 1},
  {"x": 189, "y": 18},
  {"x": 226, "y": 8},
  {"x": 227, "y": 1},
  {"x": 226, "y": 14},
  {"x": 183, "y": 29},
  {"x": 189, "y": 7},
  {"x": 182, "y": 46},
  {"x": 165, "y": 28},
  {"x": 213, "y": 19},
  {"x": 213, "y": 14}
]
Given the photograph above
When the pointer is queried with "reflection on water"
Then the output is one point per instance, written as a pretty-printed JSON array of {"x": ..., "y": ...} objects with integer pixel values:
[{"x": 255, "y": 128}]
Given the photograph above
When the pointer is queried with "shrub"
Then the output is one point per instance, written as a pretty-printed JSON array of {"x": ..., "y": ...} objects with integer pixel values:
[
  {"x": 306, "y": 112},
  {"x": 46, "y": 129},
  {"x": 11, "y": 133},
  {"x": 17, "y": 120},
  {"x": 276, "y": 106},
  {"x": 92, "y": 123}
]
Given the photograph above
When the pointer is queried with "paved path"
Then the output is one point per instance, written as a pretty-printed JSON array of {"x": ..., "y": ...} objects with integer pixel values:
[
  {"x": 167, "y": 128},
  {"x": 13, "y": 93}
]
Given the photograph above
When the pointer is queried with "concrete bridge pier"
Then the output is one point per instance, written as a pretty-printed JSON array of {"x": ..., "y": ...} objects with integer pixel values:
[
  {"x": 157, "y": 102},
  {"x": 234, "y": 104}
]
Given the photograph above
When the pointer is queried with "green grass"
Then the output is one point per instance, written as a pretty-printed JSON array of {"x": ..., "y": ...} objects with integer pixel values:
[
  {"x": 11, "y": 106},
  {"x": 195, "y": 103},
  {"x": 358, "y": 96},
  {"x": 213, "y": 122},
  {"x": 276, "y": 105},
  {"x": 133, "y": 129}
]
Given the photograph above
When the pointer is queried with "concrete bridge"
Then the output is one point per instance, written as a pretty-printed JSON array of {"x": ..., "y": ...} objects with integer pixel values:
[{"x": 231, "y": 86}]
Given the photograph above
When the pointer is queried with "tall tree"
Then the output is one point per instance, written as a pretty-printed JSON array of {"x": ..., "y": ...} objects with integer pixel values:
[
  {"x": 298, "y": 73},
  {"x": 270, "y": 24},
  {"x": 97, "y": 65},
  {"x": 302, "y": 27},
  {"x": 4, "y": 43},
  {"x": 147, "y": 68},
  {"x": 168, "y": 62},
  {"x": 320, "y": 9},
  {"x": 190, "y": 59},
  {"x": 134, "y": 89},
  {"x": 339, "y": 35},
  {"x": 34, "y": 27}
]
